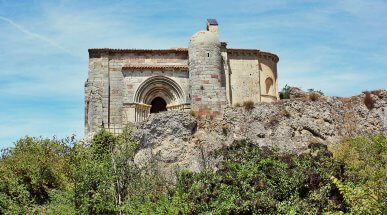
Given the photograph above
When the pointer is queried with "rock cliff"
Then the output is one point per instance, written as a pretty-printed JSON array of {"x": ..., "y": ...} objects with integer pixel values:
[{"x": 177, "y": 140}]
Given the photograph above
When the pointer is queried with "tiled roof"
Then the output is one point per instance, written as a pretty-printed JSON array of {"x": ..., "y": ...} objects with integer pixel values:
[
  {"x": 154, "y": 66},
  {"x": 262, "y": 53},
  {"x": 97, "y": 52},
  {"x": 137, "y": 50}
]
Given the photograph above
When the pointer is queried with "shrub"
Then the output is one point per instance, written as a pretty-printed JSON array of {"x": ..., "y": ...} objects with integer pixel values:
[
  {"x": 193, "y": 113},
  {"x": 249, "y": 105},
  {"x": 29, "y": 171},
  {"x": 225, "y": 128},
  {"x": 286, "y": 113},
  {"x": 364, "y": 184},
  {"x": 251, "y": 180},
  {"x": 368, "y": 101},
  {"x": 284, "y": 94},
  {"x": 238, "y": 104},
  {"x": 313, "y": 96},
  {"x": 316, "y": 91}
]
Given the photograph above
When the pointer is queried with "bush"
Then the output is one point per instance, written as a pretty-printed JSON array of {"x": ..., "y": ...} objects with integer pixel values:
[
  {"x": 316, "y": 91},
  {"x": 364, "y": 184},
  {"x": 29, "y": 171},
  {"x": 284, "y": 94},
  {"x": 261, "y": 181},
  {"x": 225, "y": 128},
  {"x": 193, "y": 113},
  {"x": 368, "y": 101},
  {"x": 249, "y": 105},
  {"x": 43, "y": 176},
  {"x": 313, "y": 96}
]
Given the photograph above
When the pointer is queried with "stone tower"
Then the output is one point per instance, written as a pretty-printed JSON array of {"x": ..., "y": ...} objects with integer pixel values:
[{"x": 206, "y": 74}]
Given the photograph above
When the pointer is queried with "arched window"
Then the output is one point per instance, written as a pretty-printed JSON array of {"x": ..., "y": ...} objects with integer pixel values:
[{"x": 269, "y": 86}]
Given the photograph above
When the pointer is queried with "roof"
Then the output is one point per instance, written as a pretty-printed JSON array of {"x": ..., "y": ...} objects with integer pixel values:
[
  {"x": 94, "y": 52},
  {"x": 154, "y": 66},
  {"x": 212, "y": 21},
  {"x": 274, "y": 57}
]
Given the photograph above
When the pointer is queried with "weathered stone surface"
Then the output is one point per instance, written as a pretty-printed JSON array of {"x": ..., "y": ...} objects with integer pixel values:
[
  {"x": 177, "y": 140},
  {"x": 205, "y": 78},
  {"x": 165, "y": 125},
  {"x": 295, "y": 92}
]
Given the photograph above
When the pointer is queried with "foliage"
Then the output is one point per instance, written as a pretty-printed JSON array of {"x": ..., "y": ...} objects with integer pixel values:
[
  {"x": 313, "y": 96},
  {"x": 261, "y": 181},
  {"x": 284, "y": 94},
  {"x": 29, "y": 171},
  {"x": 364, "y": 184},
  {"x": 43, "y": 176},
  {"x": 319, "y": 92},
  {"x": 91, "y": 174}
]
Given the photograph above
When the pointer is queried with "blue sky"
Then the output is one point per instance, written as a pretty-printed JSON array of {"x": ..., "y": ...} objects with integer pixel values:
[{"x": 337, "y": 46}]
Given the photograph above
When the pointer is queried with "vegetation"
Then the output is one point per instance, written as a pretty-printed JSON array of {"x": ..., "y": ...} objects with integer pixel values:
[
  {"x": 284, "y": 94},
  {"x": 249, "y": 105},
  {"x": 319, "y": 92},
  {"x": 49, "y": 176},
  {"x": 364, "y": 184},
  {"x": 237, "y": 104},
  {"x": 313, "y": 96},
  {"x": 368, "y": 101}
]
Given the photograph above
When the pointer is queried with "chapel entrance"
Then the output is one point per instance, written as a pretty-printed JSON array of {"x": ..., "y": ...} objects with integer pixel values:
[{"x": 158, "y": 105}]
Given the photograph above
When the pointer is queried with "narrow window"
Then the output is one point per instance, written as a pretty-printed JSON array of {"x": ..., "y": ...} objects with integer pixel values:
[{"x": 208, "y": 54}]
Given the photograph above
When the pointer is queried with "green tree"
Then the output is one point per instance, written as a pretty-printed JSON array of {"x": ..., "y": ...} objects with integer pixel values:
[
  {"x": 364, "y": 184},
  {"x": 29, "y": 171}
]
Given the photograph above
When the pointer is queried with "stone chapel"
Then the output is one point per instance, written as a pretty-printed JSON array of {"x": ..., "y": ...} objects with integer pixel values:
[{"x": 127, "y": 85}]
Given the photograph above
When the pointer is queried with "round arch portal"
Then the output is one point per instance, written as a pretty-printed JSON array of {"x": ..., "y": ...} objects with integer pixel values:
[{"x": 159, "y": 87}]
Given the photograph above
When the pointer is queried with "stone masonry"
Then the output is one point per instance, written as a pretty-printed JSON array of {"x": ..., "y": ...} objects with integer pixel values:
[{"x": 127, "y": 85}]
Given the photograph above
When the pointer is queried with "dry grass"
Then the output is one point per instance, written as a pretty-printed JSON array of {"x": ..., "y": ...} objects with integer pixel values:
[
  {"x": 313, "y": 96},
  {"x": 237, "y": 104},
  {"x": 225, "y": 128},
  {"x": 368, "y": 101},
  {"x": 249, "y": 105},
  {"x": 286, "y": 113},
  {"x": 273, "y": 121},
  {"x": 193, "y": 113}
]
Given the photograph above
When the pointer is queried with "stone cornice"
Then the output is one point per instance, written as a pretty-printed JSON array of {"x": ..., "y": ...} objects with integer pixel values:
[
  {"x": 154, "y": 66},
  {"x": 96, "y": 52},
  {"x": 260, "y": 54}
]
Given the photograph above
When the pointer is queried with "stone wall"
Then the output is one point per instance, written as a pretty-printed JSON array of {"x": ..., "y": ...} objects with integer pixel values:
[
  {"x": 133, "y": 78},
  {"x": 244, "y": 77},
  {"x": 97, "y": 93},
  {"x": 206, "y": 78},
  {"x": 268, "y": 70},
  {"x": 208, "y": 87},
  {"x": 109, "y": 86}
]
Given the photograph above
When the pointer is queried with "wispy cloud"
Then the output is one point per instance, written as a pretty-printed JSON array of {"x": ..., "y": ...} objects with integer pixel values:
[{"x": 34, "y": 35}]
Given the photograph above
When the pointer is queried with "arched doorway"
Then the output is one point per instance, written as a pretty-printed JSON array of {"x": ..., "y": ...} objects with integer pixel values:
[
  {"x": 158, "y": 105},
  {"x": 156, "y": 94}
]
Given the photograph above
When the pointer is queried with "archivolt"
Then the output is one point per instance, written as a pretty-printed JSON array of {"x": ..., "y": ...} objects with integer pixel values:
[{"x": 159, "y": 86}]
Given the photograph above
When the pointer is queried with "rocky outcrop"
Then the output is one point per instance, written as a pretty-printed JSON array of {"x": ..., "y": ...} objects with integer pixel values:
[
  {"x": 295, "y": 92},
  {"x": 177, "y": 140}
]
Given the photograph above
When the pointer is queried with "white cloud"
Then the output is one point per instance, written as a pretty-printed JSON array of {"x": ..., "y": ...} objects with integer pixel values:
[{"x": 34, "y": 35}]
